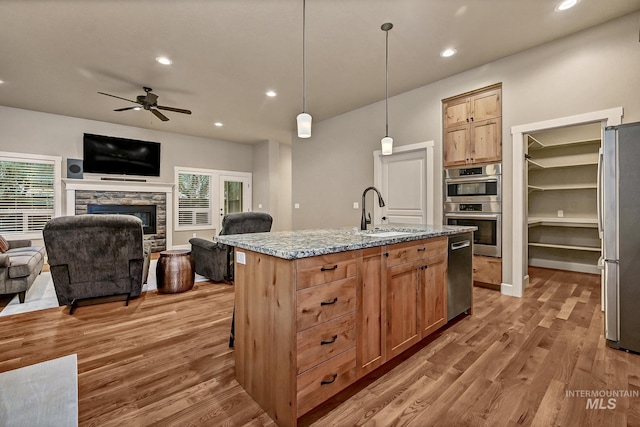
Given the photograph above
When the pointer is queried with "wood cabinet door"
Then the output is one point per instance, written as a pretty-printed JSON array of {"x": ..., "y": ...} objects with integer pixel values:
[
  {"x": 456, "y": 146},
  {"x": 403, "y": 329},
  {"x": 433, "y": 297},
  {"x": 486, "y": 143},
  {"x": 371, "y": 309},
  {"x": 456, "y": 112},
  {"x": 486, "y": 105}
]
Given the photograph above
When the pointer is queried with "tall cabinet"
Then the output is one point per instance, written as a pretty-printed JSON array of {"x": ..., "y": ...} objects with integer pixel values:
[
  {"x": 562, "y": 199},
  {"x": 472, "y": 124}
]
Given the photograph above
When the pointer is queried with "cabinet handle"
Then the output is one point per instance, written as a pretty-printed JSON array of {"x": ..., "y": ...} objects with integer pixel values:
[
  {"x": 471, "y": 118},
  {"x": 386, "y": 254},
  {"x": 467, "y": 119},
  {"x": 329, "y": 382},
  {"x": 424, "y": 267},
  {"x": 335, "y": 267},
  {"x": 333, "y": 301},
  {"x": 422, "y": 249},
  {"x": 331, "y": 341}
]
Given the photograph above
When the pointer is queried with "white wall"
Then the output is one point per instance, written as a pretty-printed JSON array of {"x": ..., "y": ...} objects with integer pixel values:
[
  {"x": 593, "y": 70},
  {"x": 27, "y": 131}
]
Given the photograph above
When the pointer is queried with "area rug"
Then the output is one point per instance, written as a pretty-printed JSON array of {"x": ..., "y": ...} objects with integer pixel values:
[
  {"x": 44, "y": 394},
  {"x": 42, "y": 295}
]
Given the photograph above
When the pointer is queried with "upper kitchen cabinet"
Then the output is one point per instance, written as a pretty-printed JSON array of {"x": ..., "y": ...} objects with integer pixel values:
[{"x": 472, "y": 127}]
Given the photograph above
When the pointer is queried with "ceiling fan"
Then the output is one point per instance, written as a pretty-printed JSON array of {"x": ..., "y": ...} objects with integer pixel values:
[{"x": 149, "y": 101}]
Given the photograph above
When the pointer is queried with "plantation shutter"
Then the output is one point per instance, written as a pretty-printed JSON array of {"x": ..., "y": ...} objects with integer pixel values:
[
  {"x": 27, "y": 194},
  {"x": 194, "y": 199}
]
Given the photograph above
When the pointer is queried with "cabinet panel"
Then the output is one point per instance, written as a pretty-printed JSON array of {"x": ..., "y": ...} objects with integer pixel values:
[
  {"x": 487, "y": 270},
  {"x": 456, "y": 112},
  {"x": 402, "y": 308},
  {"x": 371, "y": 311},
  {"x": 486, "y": 105},
  {"x": 323, "y": 381},
  {"x": 412, "y": 251},
  {"x": 486, "y": 139},
  {"x": 325, "y": 268},
  {"x": 322, "y": 342},
  {"x": 325, "y": 302},
  {"x": 433, "y": 297},
  {"x": 456, "y": 141}
]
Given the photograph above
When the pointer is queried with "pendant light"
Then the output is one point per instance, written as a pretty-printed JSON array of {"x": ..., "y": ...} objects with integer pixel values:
[
  {"x": 387, "y": 141},
  {"x": 304, "y": 118}
]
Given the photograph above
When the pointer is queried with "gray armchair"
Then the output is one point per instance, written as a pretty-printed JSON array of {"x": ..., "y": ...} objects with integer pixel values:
[
  {"x": 93, "y": 256},
  {"x": 20, "y": 264},
  {"x": 213, "y": 260}
]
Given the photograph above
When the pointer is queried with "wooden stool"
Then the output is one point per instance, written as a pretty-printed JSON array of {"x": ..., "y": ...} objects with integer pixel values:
[{"x": 175, "y": 272}]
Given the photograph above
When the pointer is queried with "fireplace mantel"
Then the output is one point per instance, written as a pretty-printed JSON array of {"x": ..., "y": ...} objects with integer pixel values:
[{"x": 73, "y": 185}]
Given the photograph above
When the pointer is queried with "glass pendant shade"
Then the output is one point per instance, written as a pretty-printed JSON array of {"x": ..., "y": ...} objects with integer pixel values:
[
  {"x": 304, "y": 125},
  {"x": 387, "y": 145}
]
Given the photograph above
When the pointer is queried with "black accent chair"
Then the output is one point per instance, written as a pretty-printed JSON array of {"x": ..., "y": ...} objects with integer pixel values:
[
  {"x": 214, "y": 260},
  {"x": 95, "y": 256}
]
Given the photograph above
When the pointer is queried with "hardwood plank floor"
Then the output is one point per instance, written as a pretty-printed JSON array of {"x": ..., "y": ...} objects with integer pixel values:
[{"x": 164, "y": 361}]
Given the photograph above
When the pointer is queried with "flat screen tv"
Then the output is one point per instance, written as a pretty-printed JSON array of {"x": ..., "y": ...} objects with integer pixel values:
[{"x": 120, "y": 156}]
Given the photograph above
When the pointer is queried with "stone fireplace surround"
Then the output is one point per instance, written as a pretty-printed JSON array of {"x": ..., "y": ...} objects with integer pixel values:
[{"x": 82, "y": 192}]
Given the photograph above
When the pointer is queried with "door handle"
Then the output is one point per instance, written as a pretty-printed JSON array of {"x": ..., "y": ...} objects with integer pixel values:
[
  {"x": 599, "y": 192},
  {"x": 460, "y": 245}
]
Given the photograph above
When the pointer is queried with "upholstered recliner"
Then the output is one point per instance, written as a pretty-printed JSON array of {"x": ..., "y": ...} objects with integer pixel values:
[
  {"x": 94, "y": 256},
  {"x": 213, "y": 260}
]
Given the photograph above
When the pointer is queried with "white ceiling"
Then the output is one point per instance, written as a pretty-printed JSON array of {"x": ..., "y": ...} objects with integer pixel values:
[{"x": 57, "y": 54}]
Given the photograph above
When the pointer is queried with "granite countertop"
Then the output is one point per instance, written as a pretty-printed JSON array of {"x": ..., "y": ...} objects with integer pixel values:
[{"x": 308, "y": 243}]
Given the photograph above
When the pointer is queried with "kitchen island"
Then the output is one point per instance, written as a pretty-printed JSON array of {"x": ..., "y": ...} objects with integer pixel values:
[{"x": 315, "y": 310}]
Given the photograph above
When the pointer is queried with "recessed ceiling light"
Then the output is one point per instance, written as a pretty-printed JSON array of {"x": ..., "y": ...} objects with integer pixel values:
[
  {"x": 566, "y": 4},
  {"x": 1, "y": 81},
  {"x": 218, "y": 124},
  {"x": 448, "y": 52},
  {"x": 271, "y": 93},
  {"x": 164, "y": 60}
]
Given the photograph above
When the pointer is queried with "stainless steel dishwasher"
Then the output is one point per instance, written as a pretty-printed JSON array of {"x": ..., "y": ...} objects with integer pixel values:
[{"x": 459, "y": 274}]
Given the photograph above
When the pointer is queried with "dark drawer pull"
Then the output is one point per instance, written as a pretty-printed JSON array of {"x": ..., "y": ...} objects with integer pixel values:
[
  {"x": 331, "y": 341},
  {"x": 335, "y": 267},
  {"x": 422, "y": 249},
  {"x": 329, "y": 382},
  {"x": 333, "y": 301}
]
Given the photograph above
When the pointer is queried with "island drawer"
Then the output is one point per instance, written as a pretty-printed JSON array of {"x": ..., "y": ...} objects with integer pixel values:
[
  {"x": 325, "y": 380},
  {"x": 322, "y": 342},
  {"x": 316, "y": 270},
  {"x": 401, "y": 253},
  {"x": 325, "y": 302}
]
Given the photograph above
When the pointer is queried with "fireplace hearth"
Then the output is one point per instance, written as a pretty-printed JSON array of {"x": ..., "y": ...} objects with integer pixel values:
[{"x": 146, "y": 213}]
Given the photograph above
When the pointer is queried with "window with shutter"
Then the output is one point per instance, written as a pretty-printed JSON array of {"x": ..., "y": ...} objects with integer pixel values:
[
  {"x": 29, "y": 192},
  {"x": 194, "y": 199}
]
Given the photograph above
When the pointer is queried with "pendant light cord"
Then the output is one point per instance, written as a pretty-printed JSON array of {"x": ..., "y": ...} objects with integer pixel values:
[
  {"x": 304, "y": 57},
  {"x": 386, "y": 95}
]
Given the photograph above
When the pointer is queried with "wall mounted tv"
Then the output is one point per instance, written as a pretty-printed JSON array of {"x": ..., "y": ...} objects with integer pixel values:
[{"x": 120, "y": 156}]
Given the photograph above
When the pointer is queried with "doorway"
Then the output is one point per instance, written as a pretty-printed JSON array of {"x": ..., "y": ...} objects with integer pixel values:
[{"x": 520, "y": 277}]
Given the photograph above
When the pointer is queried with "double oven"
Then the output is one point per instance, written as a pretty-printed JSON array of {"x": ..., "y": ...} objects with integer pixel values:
[{"x": 472, "y": 197}]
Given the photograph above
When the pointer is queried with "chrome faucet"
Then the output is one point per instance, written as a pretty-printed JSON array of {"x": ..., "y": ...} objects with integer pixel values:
[{"x": 364, "y": 221}]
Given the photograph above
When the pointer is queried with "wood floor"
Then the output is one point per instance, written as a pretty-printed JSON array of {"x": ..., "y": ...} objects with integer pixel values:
[{"x": 164, "y": 361}]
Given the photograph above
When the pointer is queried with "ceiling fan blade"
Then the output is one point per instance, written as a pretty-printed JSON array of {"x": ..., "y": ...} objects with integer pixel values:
[
  {"x": 126, "y": 108},
  {"x": 159, "y": 115},
  {"x": 176, "y": 110},
  {"x": 119, "y": 97}
]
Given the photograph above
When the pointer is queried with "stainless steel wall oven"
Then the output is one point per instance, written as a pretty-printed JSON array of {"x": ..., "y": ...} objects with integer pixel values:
[{"x": 473, "y": 197}]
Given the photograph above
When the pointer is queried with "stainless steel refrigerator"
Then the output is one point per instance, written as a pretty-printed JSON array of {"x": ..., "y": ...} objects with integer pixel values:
[{"x": 619, "y": 218}]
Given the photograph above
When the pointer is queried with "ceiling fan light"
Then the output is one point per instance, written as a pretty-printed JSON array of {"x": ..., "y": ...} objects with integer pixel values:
[
  {"x": 304, "y": 125},
  {"x": 387, "y": 145},
  {"x": 164, "y": 60}
]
